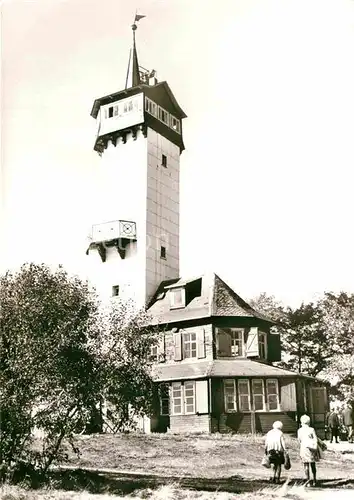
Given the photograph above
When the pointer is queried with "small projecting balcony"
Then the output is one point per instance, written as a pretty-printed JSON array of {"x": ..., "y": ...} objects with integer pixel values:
[{"x": 118, "y": 234}]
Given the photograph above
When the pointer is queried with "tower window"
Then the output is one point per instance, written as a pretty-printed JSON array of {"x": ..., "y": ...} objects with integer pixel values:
[
  {"x": 175, "y": 124},
  {"x": 110, "y": 112},
  {"x": 164, "y": 161},
  {"x": 163, "y": 252},
  {"x": 163, "y": 116},
  {"x": 115, "y": 291},
  {"x": 150, "y": 106}
]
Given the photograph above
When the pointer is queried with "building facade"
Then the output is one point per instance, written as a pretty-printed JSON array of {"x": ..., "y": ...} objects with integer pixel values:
[
  {"x": 215, "y": 364},
  {"x": 214, "y": 367}
]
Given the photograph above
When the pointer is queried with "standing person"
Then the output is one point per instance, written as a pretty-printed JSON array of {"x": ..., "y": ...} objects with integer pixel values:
[
  {"x": 348, "y": 421},
  {"x": 309, "y": 452},
  {"x": 333, "y": 425},
  {"x": 275, "y": 449}
]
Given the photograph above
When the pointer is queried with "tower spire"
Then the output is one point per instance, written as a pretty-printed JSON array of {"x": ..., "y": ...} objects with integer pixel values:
[
  {"x": 135, "y": 73},
  {"x": 135, "y": 69}
]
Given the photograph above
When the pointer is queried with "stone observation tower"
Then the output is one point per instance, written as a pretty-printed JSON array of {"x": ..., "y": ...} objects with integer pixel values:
[{"x": 134, "y": 244}]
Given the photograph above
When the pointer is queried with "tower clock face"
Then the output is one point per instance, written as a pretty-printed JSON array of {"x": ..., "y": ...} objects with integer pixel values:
[{"x": 121, "y": 114}]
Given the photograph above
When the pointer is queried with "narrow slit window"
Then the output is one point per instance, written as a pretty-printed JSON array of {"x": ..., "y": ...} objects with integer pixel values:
[
  {"x": 115, "y": 291},
  {"x": 163, "y": 252},
  {"x": 110, "y": 112},
  {"x": 164, "y": 161}
]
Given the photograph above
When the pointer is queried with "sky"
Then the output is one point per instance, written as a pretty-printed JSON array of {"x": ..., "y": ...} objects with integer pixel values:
[{"x": 266, "y": 177}]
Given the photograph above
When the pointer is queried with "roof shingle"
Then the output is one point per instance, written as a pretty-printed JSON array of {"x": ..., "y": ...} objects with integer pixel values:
[{"x": 216, "y": 299}]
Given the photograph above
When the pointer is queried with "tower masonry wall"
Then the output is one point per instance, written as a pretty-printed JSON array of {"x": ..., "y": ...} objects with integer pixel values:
[
  {"x": 121, "y": 186},
  {"x": 162, "y": 210}
]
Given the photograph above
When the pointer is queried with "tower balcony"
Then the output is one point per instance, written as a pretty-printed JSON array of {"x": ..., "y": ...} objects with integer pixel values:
[{"x": 118, "y": 234}]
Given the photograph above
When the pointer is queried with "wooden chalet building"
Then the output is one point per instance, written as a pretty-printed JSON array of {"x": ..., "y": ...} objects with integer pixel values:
[{"x": 215, "y": 369}]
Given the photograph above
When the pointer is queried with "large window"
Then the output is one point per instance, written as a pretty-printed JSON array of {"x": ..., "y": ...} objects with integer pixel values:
[
  {"x": 231, "y": 342},
  {"x": 230, "y": 395},
  {"x": 258, "y": 394},
  {"x": 182, "y": 398},
  {"x": 272, "y": 394},
  {"x": 189, "y": 397},
  {"x": 244, "y": 395},
  {"x": 177, "y": 398},
  {"x": 189, "y": 345},
  {"x": 237, "y": 345}
]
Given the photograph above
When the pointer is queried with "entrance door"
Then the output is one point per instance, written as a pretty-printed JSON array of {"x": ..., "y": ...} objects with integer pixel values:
[{"x": 318, "y": 404}]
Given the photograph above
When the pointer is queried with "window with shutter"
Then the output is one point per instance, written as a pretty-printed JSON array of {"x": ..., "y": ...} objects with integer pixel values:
[
  {"x": 189, "y": 397},
  {"x": 230, "y": 395},
  {"x": 244, "y": 395},
  {"x": 272, "y": 394},
  {"x": 189, "y": 345},
  {"x": 258, "y": 394}
]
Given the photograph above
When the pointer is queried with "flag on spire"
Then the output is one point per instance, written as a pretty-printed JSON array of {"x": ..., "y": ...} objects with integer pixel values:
[{"x": 138, "y": 17}]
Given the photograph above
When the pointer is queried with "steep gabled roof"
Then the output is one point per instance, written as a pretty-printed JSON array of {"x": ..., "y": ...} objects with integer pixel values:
[
  {"x": 226, "y": 302},
  {"x": 216, "y": 299}
]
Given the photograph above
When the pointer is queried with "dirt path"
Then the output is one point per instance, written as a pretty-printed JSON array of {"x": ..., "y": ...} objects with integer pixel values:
[{"x": 128, "y": 481}]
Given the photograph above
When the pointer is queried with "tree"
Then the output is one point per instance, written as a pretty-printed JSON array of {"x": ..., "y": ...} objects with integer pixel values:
[
  {"x": 61, "y": 356},
  {"x": 302, "y": 332},
  {"x": 338, "y": 319},
  {"x": 305, "y": 340}
]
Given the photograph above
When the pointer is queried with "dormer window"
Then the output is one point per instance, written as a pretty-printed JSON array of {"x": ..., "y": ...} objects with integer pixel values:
[{"x": 177, "y": 298}]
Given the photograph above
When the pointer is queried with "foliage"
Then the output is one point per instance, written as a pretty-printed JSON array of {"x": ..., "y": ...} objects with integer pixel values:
[
  {"x": 60, "y": 357},
  {"x": 317, "y": 338},
  {"x": 304, "y": 338}
]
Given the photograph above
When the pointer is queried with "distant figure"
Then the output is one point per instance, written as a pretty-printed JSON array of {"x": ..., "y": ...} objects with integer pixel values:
[
  {"x": 348, "y": 421},
  {"x": 309, "y": 452},
  {"x": 333, "y": 425},
  {"x": 275, "y": 449}
]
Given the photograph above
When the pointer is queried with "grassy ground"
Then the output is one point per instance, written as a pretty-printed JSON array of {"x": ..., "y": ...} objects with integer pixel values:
[
  {"x": 204, "y": 456},
  {"x": 182, "y": 467}
]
